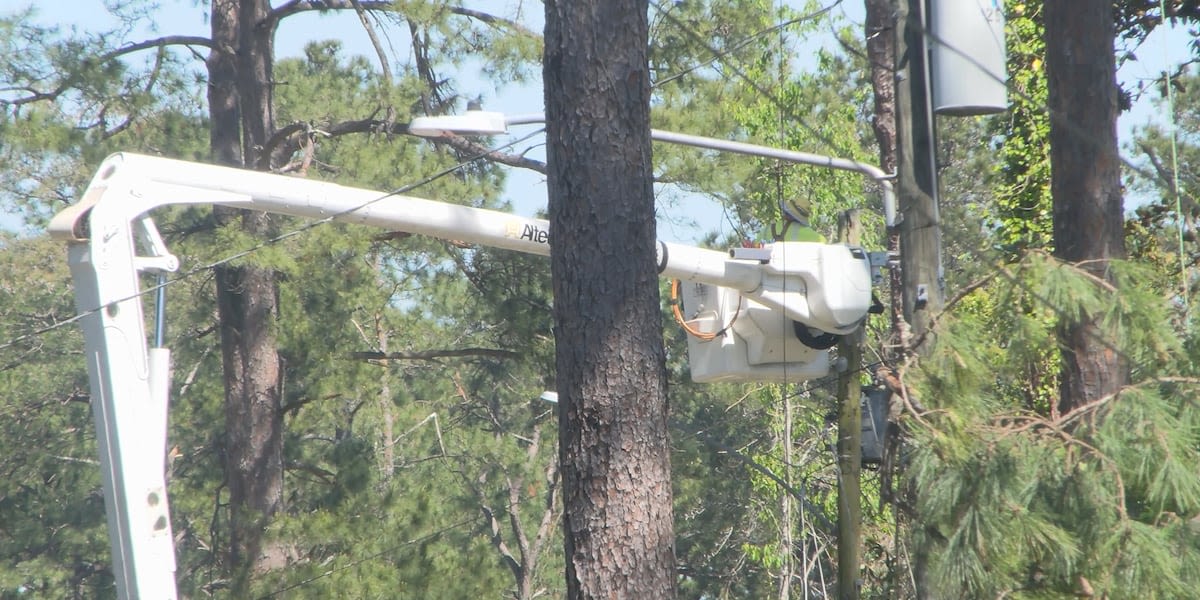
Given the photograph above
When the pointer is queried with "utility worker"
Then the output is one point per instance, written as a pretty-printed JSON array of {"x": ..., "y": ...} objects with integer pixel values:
[{"x": 795, "y": 223}]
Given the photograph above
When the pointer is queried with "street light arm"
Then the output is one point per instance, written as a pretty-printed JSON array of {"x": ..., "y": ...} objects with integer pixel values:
[
  {"x": 481, "y": 122},
  {"x": 805, "y": 158},
  {"x": 525, "y": 119}
]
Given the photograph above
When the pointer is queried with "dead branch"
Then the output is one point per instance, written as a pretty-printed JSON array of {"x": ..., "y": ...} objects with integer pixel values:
[
  {"x": 153, "y": 79},
  {"x": 322, "y": 474},
  {"x": 470, "y": 148},
  {"x": 383, "y": 59},
  {"x": 287, "y": 140},
  {"x": 433, "y": 355},
  {"x": 294, "y": 7}
]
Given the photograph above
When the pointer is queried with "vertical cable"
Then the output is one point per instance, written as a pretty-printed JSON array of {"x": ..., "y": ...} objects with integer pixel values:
[
  {"x": 1179, "y": 219},
  {"x": 785, "y": 583}
]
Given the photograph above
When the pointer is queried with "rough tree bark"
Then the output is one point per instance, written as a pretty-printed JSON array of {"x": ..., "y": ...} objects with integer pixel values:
[
  {"x": 1085, "y": 181},
  {"x": 613, "y": 439},
  {"x": 880, "y": 28},
  {"x": 239, "y": 93},
  {"x": 880, "y": 31}
]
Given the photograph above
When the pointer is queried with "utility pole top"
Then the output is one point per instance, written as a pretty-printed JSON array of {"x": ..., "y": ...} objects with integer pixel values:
[{"x": 920, "y": 225}]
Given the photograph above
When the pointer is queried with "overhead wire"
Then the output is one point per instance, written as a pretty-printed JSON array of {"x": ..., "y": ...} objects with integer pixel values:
[
  {"x": 270, "y": 242},
  {"x": 1179, "y": 225},
  {"x": 718, "y": 55},
  {"x": 722, "y": 56},
  {"x": 1075, "y": 128},
  {"x": 833, "y": 380},
  {"x": 354, "y": 563}
]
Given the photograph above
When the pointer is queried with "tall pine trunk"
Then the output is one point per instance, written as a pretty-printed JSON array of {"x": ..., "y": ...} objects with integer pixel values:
[
  {"x": 239, "y": 93},
  {"x": 1085, "y": 181},
  {"x": 613, "y": 440}
]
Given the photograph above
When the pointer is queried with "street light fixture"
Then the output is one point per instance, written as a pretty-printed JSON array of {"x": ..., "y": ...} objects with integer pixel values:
[{"x": 482, "y": 122}]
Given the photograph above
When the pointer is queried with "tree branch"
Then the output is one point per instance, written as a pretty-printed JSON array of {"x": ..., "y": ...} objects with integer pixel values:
[
  {"x": 162, "y": 42},
  {"x": 493, "y": 20},
  {"x": 286, "y": 141},
  {"x": 549, "y": 518},
  {"x": 497, "y": 539},
  {"x": 322, "y": 474},
  {"x": 435, "y": 354},
  {"x": 433, "y": 103},
  {"x": 383, "y": 59},
  {"x": 160, "y": 56},
  {"x": 293, "y": 7},
  {"x": 514, "y": 520},
  {"x": 1163, "y": 172},
  {"x": 65, "y": 84},
  {"x": 471, "y": 148}
]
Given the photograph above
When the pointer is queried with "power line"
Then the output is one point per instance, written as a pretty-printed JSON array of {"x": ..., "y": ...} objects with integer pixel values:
[
  {"x": 721, "y": 56},
  {"x": 370, "y": 557},
  {"x": 271, "y": 241},
  {"x": 718, "y": 55},
  {"x": 1075, "y": 128}
]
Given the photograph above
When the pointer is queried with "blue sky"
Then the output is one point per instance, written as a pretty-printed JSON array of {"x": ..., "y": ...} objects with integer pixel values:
[{"x": 526, "y": 190}]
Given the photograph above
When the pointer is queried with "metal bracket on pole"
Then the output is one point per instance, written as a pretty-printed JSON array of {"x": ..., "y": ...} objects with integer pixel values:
[{"x": 880, "y": 260}]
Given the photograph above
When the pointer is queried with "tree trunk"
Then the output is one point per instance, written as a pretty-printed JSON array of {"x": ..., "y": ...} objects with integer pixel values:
[
  {"x": 613, "y": 439},
  {"x": 239, "y": 99},
  {"x": 880, "y": 31},
  {"x": 1085, "y": 181}
]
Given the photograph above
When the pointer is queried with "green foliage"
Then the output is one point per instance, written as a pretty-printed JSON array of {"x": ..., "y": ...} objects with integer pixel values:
[
  {"x": 1165, "y": 185},
  {"x": 407, "y": 447},
  {"x": 404, "y": 472},
  {"x": 746, "y": 88},
  {"x": 813, "y": 122},
  {"x": 1021, "y": 215},
  {"x": 1021, "y": 502},
  {"x": 71, "y": 99},
  {"x": 53, "y": 537}
]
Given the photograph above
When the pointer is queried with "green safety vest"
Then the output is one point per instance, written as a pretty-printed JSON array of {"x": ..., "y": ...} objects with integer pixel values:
[{"x": 801, "y": 232}]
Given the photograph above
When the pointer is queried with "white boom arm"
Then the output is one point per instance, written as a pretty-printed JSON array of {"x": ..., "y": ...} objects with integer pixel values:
[{"x": 112, "y": 241}]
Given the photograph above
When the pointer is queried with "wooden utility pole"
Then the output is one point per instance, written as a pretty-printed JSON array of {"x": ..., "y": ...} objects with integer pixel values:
[
  {"x": 849, "y": 444},
  {"x": 916, "y": 182},
  {"x": 920, "y": 230}
]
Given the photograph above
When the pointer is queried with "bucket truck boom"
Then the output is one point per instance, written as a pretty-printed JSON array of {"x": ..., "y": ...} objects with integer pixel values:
[{"x": 749, "y": 305}]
